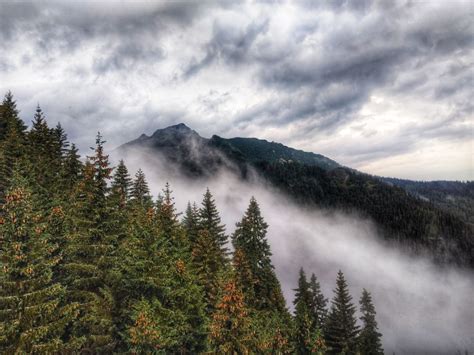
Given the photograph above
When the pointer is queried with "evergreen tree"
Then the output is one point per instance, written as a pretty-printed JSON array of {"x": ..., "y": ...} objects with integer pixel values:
[
  {"x": 140, "y": 192},
  {"x": 250, "y": 237},
  {"x": 121, "y": 185},
  {"x": 191, "y": 222},
  {"x": 160, "y": 286},
  {"x": 208, "y": 263},
  {"x": 9, "y": 118},
  {"x": 340, "y": 333},
  {"x": 33, "y": 317},
  {"x": 91, "y": 255},
  {"x": 12, "y": 155},
  {"x": 369, "y": 337},
  {"x": 72, "y": 169},
  {"x": 318, "y": 303},
  {"x": 230, "y": 331},
  {"x": 210, "y": 220},
  {"x": 304, "y": 321}
]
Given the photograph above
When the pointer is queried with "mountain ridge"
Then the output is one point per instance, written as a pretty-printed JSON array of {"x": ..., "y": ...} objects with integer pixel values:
[{"x": 403, "y": 217}]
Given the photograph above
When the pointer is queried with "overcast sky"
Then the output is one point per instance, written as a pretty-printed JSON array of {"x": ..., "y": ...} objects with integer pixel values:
[{"x": 382, "y": 86}]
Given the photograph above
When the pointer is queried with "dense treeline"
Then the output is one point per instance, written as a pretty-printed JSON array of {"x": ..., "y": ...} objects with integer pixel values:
[
  {"x": 408, "y": 221},
  {"x": 90, "y": 263},
  {"x": 455, "y": 197}
]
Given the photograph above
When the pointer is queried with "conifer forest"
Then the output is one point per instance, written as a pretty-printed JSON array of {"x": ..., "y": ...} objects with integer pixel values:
[
  {"x": 237, "y": 177},
  {"x": 92, "y": 263}
]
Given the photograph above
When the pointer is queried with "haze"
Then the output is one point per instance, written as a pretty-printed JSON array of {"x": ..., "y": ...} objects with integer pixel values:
[{"x": 421, "y": 309}]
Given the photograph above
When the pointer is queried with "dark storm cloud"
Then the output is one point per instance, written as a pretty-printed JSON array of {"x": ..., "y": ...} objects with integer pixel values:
[
  {"x": 229, "y": 44},
  {"x": 313, "y": 65}
]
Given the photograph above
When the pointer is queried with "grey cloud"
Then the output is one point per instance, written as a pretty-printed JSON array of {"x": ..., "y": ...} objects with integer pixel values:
[{"x": 228, "y": 44}]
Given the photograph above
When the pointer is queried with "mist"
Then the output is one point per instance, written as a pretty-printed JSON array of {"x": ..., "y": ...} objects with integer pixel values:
[{"x": 421, "y": 309}]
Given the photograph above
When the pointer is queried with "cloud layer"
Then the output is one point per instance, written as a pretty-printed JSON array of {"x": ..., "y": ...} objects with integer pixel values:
[
  {"x": 420, "y": 309},
  {"x": 373, "y": 85}
]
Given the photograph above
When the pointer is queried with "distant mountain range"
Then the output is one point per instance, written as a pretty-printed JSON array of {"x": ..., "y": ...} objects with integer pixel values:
[{"x": 421, "y": 217}]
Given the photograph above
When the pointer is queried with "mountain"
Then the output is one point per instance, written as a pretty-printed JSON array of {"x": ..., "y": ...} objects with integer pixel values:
[{"x": 404, "y": 216}]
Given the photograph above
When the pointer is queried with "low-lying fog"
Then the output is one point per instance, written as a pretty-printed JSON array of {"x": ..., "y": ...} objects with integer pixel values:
[{"x": 420, "y": 309}]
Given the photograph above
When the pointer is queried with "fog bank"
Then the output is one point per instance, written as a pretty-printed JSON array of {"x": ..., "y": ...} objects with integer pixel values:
[{"x": 420, "y": 309}]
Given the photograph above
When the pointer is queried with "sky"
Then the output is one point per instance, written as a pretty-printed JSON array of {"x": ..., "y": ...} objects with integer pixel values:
[{"x": 385, "y": 87}]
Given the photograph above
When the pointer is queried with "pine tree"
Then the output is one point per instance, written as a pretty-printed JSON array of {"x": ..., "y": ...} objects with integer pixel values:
[
  {"x": 121, "y": 185},
  {"x": 91, "y": 255},
  {"x": 72, "y": 169},
  {"x": 208, "y": 263},
  {"x": 210, "y": 220},
  {"x": 304, "y": 321},
  {"x": 33, "y": 317},
  {"x": 341, "y": 331},
  {"x": 191, "y": 222},
  {"x": 369, "y": 337},
  {"x": 318, "y": 304},
  {"x": 230, "y": 331},
  {"x": 250, "y": 237},
  {"x": 41, "y": 154},
  {"x": 9, "y": 118},
  {"x": 159, "y": 284},
  {"x": 140, "y": 192},
  {"x": 12, "y": 156}
]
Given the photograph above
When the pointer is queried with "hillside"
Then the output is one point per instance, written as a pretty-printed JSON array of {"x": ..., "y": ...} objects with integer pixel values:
[{"x": 414, "y": 224}]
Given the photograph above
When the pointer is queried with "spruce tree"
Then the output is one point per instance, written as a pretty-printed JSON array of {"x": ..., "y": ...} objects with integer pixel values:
[
  {"x": 91, "y": 254},
  {"x": 369, "y": 337},
  {"x": 160, "y": 286},
  {"x": 12, "y": 155},
  {"x": 210, "y": 220},
  {"x": 318, "y": 304},
  {"x": 140, "y": 192},
  {"x": 72, "y": 169},
  {"x": 121, "y": 185},
  {"x": 304, "y": 320},
  {"x": 208, "y": 263},
  {"x": 341, "y": 331},
  {"x": 191, "y": 222},
  {"x": 230, "y": 331},
  {"x": 250, "y": 237},
  {"x": 33, "y": 316},
  {"x": 9, "y": 118}
]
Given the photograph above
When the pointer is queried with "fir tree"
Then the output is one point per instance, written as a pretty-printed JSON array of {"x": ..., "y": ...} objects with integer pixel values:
[
  {"x": 230, "y": 331},
  {"x": 33, "y": 317},
  {"x": 340, "y": 333},
  {"x": 318, "y": 303},
  {"x": 121, "y": 185},
  {"x": 91, "y": 255},
  {"x": 191, "y": 222},
  {"x": 210, "y": 220},
  {"x": 208, "y": 263},
  {"x": 250, "y": 237},
  {"x": 304, "y": 320},
  {"x": 140, "y": 192},
  {"x": 9, "y": 119},
  {"x": 369, "y": 337},
  {"x": 72, "y": 169}
]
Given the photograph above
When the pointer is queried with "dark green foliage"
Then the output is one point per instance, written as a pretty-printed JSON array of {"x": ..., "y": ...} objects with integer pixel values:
[
  {"x": 140, "y": 192},
  {"x": 121, "y": 186},
  {"x": 9, "y": 119},
  {"x": 341, "y": 331},
  {"x": 250, "y": 238},
  {"x": 210, "y": 220},
  {"x": 191, "y": 222},
  {"x": 369, "y": 337},
  {"x": 88, "y": 264},
  {"x": 33, "y": 316},
  {"x": 318, "y": 303},
  {"x": 406, "y": 221}
]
